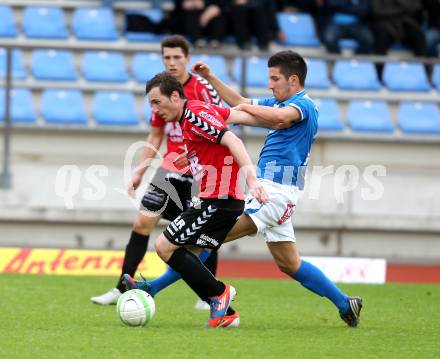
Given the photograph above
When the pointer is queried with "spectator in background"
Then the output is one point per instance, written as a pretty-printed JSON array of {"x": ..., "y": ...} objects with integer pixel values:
[
  {"x": 432, "y": 9},
  {"x": 344, "y": 19},
  {"x": 397, "y": 21},
  {"x": 254, "y": 18},
  {"x": 197, "y": 19}
]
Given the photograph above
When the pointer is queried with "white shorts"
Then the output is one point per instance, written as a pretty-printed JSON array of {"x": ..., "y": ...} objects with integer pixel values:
[{"x": 273, "y": 219}]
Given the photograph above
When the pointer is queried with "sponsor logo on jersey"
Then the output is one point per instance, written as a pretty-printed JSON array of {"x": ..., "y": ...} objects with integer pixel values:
[{"x": 207, "y": 116}]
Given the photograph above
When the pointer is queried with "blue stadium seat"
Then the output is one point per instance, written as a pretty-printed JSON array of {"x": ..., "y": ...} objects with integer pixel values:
[
  {"x": 63, "y": 107},
  {"x": 329, "y": 116},
  {"x": 369, "y": 116},
  {"x": 44, "y": 22},
  {"x": 18, "y": 70},
  {"x": 256, "y": 71},
  {"x": 419, "y": 117},
  {"x": 405, "y": 77},
  {"x": 299, "y": 29},
  {"x": 216, "y": 62},
  {"x": 317, "y": 75},
  {"x": 7, "y": 25},
  {"x": 104, "y": 66},
  {"x": 436, "y": 76},
  {"x": 53, "y": 65},
  {"x": 145, "y": 66},
  {"x": 350, "y": 44},
  {"x": 22, "y": 110},
  {"x": 355, "y": 75},
  {"x": 115, "y": 108},
  {"x": 156, "y": 16},
  {"x": 94, "y": 24}
]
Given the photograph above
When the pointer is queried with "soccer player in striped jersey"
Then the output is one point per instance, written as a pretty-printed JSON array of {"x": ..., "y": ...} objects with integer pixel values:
[
  {"x": 216, "y": 156},
  {"x": 171, "y": 178}
]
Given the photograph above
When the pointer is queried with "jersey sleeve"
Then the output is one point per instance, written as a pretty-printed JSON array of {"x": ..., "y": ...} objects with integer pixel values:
[
  {"x": 207, "y": 93},
  {"x": 269, "y": 101},
  {"x": 223, "y": 111},
  {"x": 302, "y": 106},
  {"x": 157, "y": 121},
  {"x": 207, "y": 122}
]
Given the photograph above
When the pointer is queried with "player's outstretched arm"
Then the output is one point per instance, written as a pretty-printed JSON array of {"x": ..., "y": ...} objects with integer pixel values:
[
  {"x": 272, "y": 117},
  {"x": 243, "y": 159},
  {"x": 154, "y": 140},
  {"x": 228, "y": 94},
  {"x": 238, "y": 117}
]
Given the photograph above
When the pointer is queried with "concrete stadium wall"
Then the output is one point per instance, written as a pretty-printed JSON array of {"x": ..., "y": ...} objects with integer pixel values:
[{"x": 402, "y": 224}]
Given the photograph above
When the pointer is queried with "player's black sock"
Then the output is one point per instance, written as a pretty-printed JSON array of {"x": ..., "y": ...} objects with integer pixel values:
[
  {"x": 195, "y": 274},
  {"x": 134, "y": 253},
  {"x": 211, "y": 262}
]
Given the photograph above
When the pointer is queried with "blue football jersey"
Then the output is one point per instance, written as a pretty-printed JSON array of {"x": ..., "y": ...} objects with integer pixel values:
[{"x": 285, "y": 152}]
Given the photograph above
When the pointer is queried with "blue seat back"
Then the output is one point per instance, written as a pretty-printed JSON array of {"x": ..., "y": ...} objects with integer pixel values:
[
  {"x": 299, "y": 29},
  {"x": 216, "y": 62},
  {"x": 146, "y": 65},
  {"x": 369, "y": 116},
  {"x": 18, "y": 70},
  {"x": 21, "y": 109},
  {"x": 104, "y": 66},
  {"x": 405, "y": 77},
  {"x": 419, "y": 117},
  {"x": 53, "y": 65},
  {"x": 44, "y": 22},
  {"x": 256, "y": 71},
  {"x": 7, "y": 25},
  {"x": 355, "y": 75},
  {"x": 115, "y": 108},
  {"x": 317, "y": 74},
  {"x": 329, "y": 118},
  {"x": 63, "y": 107},
  {"x": 94, "y": 24}
]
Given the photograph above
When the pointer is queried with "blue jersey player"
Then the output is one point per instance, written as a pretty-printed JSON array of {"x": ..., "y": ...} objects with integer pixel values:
[{"x": 292, "y": 118}]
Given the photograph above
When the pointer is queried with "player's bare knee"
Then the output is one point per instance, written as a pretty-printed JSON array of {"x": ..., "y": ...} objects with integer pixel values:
[
  {"x": 288, "y": 266},
  {"x": 144, "y": 224}
]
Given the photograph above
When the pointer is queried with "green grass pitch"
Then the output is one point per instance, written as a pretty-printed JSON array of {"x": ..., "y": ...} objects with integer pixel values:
[{"x": 52, "y": 317}]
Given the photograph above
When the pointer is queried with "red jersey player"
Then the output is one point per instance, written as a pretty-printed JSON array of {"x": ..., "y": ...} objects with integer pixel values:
[
  {"x": 216, "y": 156},
  {"x": 170, "y": 190}
]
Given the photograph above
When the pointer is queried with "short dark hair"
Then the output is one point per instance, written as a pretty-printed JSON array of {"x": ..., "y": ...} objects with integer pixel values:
[
  {"x": 290, "y": 63},
  {"x": 167, "y": 84},
  {"x": 176, "y": 41}
]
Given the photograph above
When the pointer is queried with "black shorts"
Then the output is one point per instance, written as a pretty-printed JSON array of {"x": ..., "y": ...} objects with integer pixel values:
[
  {"x": 168, "y": 194},
  {"x": 205, "y": 225}
]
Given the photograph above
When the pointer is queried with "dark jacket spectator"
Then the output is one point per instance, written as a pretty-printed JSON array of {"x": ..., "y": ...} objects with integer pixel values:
[
  {"x": 397, "y": 21},
  {"x": 432, "y": 11}
]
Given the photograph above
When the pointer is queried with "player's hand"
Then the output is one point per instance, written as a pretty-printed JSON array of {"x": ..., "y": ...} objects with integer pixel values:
[
  {"x": 240, "y": 107},
  {"x": 257, "y": 190},
  {"x": 134, "y": 184},
  {"x": 181, "y": 160},
  {"x": 201, "y": 69}
]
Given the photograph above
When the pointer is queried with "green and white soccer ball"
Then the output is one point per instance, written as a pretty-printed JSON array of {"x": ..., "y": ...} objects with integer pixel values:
[{"x": 135, "y": 308}]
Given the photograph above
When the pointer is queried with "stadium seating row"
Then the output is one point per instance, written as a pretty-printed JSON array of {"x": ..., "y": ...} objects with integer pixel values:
[
  {"x": 103, "y": 66},
  {"x": 100, "y": 24},
  {"x": 119, "y": 108}
]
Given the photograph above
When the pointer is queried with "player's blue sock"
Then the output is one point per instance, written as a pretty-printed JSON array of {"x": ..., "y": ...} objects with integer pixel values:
[
  {"x": 315, "y": 280},
  {"x": 170, "y": 276}
]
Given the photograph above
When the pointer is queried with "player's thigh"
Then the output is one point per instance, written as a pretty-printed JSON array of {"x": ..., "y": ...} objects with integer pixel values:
[
  {"x": 167, "y": 195},
  {"x": 286, "y": 256},
  {"x": 145, "y": 222},
  {"x": 244, "y": 226}
]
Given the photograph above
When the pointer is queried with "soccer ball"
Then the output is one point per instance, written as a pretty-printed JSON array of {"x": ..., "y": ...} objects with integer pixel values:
[{"x": 135, "y": 308}]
